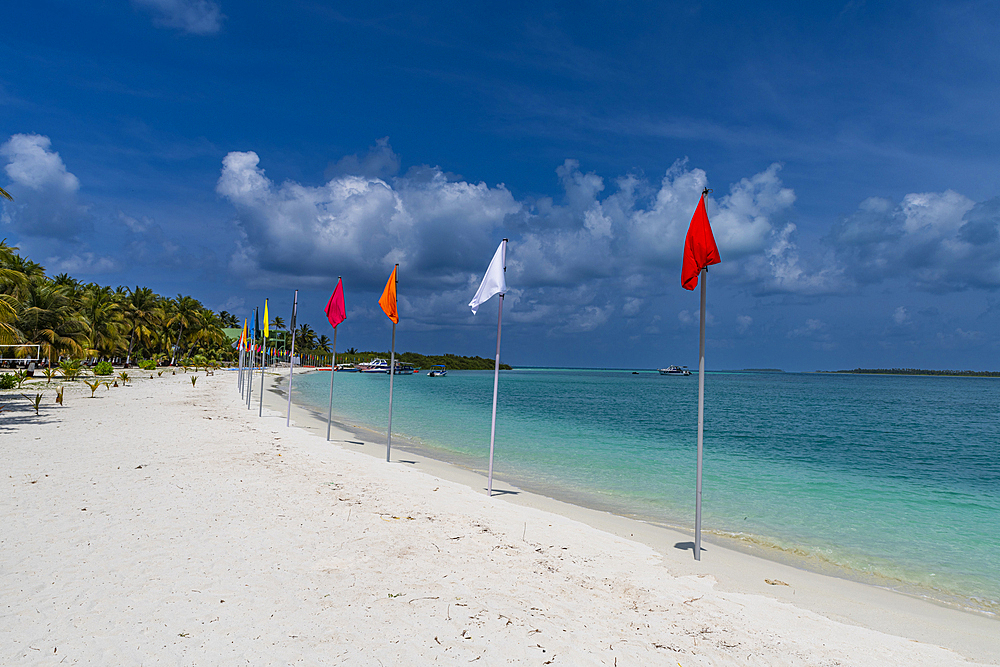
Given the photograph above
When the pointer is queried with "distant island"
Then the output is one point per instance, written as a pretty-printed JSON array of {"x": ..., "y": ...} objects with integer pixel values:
[
  {"x": 918, "y": 371},
  {"x": 762, "y": 370},
  {"x": 453, "y": 362}
]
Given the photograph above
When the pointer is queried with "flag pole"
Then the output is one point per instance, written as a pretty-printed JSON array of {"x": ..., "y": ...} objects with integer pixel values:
[
  {"x": 496, "y": 382},
  {"x": 392, "y": 374},
  {"x": 291, "y": 358},
  {"x": 701, "y": 416},
  {"x": 263, "y": 360},
  {"x": 252, "y": 361},
  {"x": 333, "y": 369},
  {"x": 239, "y": 375}
]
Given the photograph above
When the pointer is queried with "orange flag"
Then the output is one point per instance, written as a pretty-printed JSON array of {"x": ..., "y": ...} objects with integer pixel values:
[{"x": 388, "y": 300}]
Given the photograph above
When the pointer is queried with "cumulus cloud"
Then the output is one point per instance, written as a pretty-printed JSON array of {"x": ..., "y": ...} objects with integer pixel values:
[
  {"x": 45, "y": 192},
  {"x": 198, "y": 17},
  {"x": 434, "y": 227},
  {"x": 743, "y": 323},
  {"x": 936, "y": 242},
  {"x": 83, "y": 263}
]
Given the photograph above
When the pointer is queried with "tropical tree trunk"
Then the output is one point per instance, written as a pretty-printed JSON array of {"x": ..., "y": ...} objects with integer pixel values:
[
  {"x": 177, "y": 346},
  {"x": 128, "y": 355}
]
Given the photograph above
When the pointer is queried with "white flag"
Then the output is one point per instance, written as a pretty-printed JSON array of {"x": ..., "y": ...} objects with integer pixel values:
[{"x": 494, "y": 282}]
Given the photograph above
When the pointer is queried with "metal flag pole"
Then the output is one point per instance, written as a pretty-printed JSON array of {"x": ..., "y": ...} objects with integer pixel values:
[
  {"x": 496, "y": 382},
  {"x": 263, "y": 360},
  {"x": 250, "y": 356},
  {"x": 239, "y": 375},
  {"x": 701, "y": 416},
  {"x": 392, "y": 374},
  {"x": 333, "y": 370},
  {"x": 291, "y": 358}
]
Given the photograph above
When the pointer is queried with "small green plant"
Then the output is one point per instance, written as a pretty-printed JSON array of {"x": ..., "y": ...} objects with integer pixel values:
[
  {"x": 124, "y": 377},
  {"x": 20, "y": 376},
  {"x": 49, "y": 373},
  {"x": 70, "y": 369},
  {"x": 93, "y": 387},
  {"x": 8, "y": 381},
  {"x": 147, "y": 365},
  {"x": 159, "y": 374},
  {"x": 104, "y": 368},
  {"x": 194, "y": 378},
  {"x": 35, "y": 402},
  {"x": 107, "y": 385}
]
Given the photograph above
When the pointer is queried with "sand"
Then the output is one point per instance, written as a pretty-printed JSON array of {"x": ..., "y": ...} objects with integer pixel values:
[{"x": 164, "y": 523}]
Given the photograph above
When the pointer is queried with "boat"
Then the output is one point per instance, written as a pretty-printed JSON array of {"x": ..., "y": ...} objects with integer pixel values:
[
  {"x": 374, "y": 366},
  {"x": 346, "y": 368},
  {"x": 674, "y": 370},
  {"x": 404, "y": 369},
  {"x": 437, "y": 371}
]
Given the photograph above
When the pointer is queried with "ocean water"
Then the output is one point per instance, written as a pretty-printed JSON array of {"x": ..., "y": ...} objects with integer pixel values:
[{"x": 886, "y": 479}]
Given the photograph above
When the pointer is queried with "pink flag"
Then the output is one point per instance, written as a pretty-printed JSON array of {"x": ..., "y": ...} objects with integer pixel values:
[{"x": 336, "y": 312}]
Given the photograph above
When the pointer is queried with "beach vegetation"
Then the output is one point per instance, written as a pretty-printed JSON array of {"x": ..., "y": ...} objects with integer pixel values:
[
  {"x": 8, "y": 381},
  {"x": 70, "y": 369},
  {"x": 20, "y": 377},
  {"x": 49, "y": 373},
  {"x": 93, "y": 386},
  {"x": 124, "y": 377},
  {"x": 147, "y": 365},
  {"x": 69, "y": 319},
  {"x": 35, "y": 401},
  {"x": 104, "y": 368},
  {"x": 194, "y": 378}
]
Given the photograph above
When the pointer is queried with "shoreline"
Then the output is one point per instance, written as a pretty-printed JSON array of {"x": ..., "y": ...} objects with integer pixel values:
[
  {"x": 166, "y": 522},
  {"x": 762, "y": 546},
  {"x": 834, "y": 594}
]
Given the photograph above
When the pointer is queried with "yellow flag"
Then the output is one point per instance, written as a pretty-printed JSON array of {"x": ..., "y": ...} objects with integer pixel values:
[
  {"x": 243, "y": 338},
  {"x": 267, "y": 329},
  {"x": 388, "y": 300}
]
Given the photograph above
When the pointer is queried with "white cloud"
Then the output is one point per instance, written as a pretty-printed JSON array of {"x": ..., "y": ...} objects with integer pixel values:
[
  {"x": 45, "y": 192},
  {"x": 743, "y": 323},
  {"x": 438, "y": 230},
  {"x": 933, "y": 241},
  {"x": 900, "y": 316},
  {"x": 199, "y": 17},
  {"x": 84, "y": 263}
]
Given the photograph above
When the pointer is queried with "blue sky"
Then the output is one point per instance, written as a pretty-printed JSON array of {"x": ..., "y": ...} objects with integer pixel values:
[{"x": 237, "y": 150}]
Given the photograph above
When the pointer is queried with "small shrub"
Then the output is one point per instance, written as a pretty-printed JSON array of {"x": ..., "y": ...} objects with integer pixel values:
[
  {"x": 8, "y": 381},
  {"x": 104, "y": 368},
  {"x": 194, "y": 378},
  {"x": 147, "y": 365}
]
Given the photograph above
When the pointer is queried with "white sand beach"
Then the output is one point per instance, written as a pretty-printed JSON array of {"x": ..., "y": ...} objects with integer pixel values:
[{"x": 165, "y": 523}]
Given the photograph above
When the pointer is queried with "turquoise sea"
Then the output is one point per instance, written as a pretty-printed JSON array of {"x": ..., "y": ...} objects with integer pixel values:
[{"x": 886, "y": 479}]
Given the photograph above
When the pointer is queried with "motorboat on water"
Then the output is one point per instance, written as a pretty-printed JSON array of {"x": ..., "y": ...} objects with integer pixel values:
[
  {"x": 437, "y": 371},
  {"x": 404, "y": 369},
  {"x": 374, "y": 366},
  {"x": 674, "y": 370},
  {"x": 346, "y": 368}
]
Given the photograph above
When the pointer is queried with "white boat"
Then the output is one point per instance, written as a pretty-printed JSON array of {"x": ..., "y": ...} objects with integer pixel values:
[
  {"x": 674, "y": 370},
  {"x": 404, "y": 369},
  {"x": 437, "y": 371},
  {"x": 374, "y": 366}
]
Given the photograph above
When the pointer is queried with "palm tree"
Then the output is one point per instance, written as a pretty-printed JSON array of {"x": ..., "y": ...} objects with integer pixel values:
[
  {"x": 185, "y": 312},
  {"x": 142, "y": 314},
  {"x": 277, "y": 323},
  {"x": 103, "y": 315},
  {"x": 47, "y": 318},
  {"x": 323, "y": 343},
  {"x": 5, "y": 194},
  {"x": 305, "y": 338},
  {"x": 12, "y": 283}
]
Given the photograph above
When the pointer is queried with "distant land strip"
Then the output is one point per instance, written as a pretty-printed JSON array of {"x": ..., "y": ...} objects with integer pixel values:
[
  {"x": 919, "y": 371},
  {"x": 454, "y": 362}
]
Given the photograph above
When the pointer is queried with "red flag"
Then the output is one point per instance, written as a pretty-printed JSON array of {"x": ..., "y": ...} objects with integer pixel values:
[
  {"x": 336, "y": 312},
  {"x": 700, "y": 250}
]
